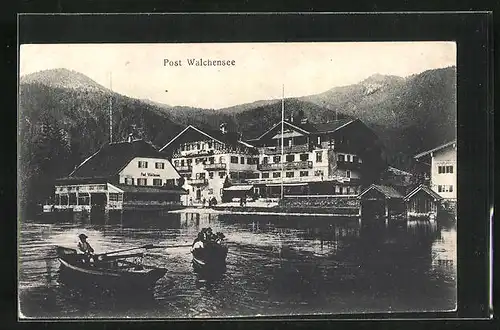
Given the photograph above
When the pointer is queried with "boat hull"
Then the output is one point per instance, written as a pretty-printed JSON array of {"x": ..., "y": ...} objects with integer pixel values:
[
  {"x": 110, "y": 279},
  {"x": 210, "y": 260}
]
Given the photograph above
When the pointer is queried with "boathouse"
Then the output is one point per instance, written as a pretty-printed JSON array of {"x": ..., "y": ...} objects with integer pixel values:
[
  {"x": 422, "y": 202},
  {"x": 120, "y": 176},
  {"x": 380, "y": 200}
]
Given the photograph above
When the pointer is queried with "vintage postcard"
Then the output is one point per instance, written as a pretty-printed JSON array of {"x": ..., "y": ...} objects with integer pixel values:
[{"x": 221, "y": 180}]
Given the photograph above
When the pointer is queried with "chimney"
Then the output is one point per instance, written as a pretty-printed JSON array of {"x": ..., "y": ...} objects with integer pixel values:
[
  {"x": 130, "y": 137},
  {"x": 223, "y": 128}
]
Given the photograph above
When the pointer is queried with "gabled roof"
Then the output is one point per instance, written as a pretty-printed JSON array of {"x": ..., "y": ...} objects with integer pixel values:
[
  {"x": 443, "y": 146},
  {"x": 398, "y": 171},
  {"x": 333, "y": 125},
  {"x": 312, "y": 128},
  {"x": 231, "y": 138},
  {"x": 388, "y": 192},
  {"x": 425, "y": 189},
  {"x": 111, "y": 158},
  {"x": 148, "y": 189}
]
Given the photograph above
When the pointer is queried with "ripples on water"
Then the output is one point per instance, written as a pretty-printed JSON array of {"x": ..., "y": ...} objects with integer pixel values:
[{"x": 276, "y": 266}]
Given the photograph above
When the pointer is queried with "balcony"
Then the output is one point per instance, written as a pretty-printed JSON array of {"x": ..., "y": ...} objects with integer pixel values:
[
  {"x": 197, "y": 182},
  {"x": 306, "y": 179},
  {"x": 185, "y": 168},
  {"x": 348, "y": 165},
  {"x": 215, "y": 166},
  {"x": 306, "y": 164},
  {"x": 286, "y": 149}
]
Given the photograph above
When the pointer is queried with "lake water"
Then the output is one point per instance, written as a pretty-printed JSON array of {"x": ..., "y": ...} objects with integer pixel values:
[{"x": 276, "y": 265}]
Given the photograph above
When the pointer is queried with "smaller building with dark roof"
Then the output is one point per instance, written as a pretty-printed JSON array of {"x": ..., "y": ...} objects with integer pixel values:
[
  {"x": 123, "y": 175},
  {"x": 380, "y": 200},
  {"x": 422, "y": 202}
]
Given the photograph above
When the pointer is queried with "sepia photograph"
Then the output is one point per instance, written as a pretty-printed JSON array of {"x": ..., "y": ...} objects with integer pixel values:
[{"x": 226, "y": 180}]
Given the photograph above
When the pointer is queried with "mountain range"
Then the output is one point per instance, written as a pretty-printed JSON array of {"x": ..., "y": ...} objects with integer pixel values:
[{"x": 64, "y": 117}]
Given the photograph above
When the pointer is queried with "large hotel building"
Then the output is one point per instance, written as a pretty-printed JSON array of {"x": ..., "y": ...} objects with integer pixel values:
[{"x": 332, "y": 158}]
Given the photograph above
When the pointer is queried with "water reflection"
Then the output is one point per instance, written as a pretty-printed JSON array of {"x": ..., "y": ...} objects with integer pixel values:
[{"x": 276, "y": 265}]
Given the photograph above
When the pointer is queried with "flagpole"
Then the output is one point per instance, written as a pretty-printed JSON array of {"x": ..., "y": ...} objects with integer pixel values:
[
  {"x": 282, "y": 137},
  {"x": 111, "y": 109}
]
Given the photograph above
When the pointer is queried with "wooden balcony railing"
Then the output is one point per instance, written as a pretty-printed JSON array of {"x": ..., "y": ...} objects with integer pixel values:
[
  {"x": 185, "y": 168},
  {"x": 286, "y": 149},
  {"x": 215, "y": 166},
  {"x": 306, "y": 164},
  {"x": 197, "y": 182}
]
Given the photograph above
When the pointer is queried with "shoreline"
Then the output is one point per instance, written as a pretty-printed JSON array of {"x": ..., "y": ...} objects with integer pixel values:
[{"x": 213, "y": 211}]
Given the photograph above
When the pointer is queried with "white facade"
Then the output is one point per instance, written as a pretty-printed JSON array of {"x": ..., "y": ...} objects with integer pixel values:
[
  {"x": 205, "y": 164},
  {"x": 142, "y": 171},
  {"x": 444, "y": 172}
]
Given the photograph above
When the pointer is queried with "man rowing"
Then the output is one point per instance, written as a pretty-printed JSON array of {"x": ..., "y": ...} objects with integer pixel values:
[{"x": 85, "y": 247}]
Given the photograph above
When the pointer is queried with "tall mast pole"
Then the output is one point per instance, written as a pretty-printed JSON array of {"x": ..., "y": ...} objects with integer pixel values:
[
  {"x": 282, "y": 137},
  {"x": 111, "y": 109}
]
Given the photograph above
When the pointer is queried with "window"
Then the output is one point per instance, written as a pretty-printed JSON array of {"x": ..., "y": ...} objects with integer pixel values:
[
  {"x": 304, "y": 157},
  {"x": 445, "y": 169},
  {"x": 222, "y": 175},
  {"x": 265, "y": 160},
  {"x": 233, "y": 175},
  {"x": 290, "y": 158},
  {"x": 338, "y": 190},
  {"x": 176, "y": 163},
  {"x": 277, "y": 159},
  {"x": 289, "y": 174},
  {"x": 160, "y": 166},
  {"x": 210, "y": 145},
  {"x": 210, "y": 191},
  {"x": 242, "y": 160},
  {"x": 250, "y": 161},
  {"x": 142, "y": 181},
  {"x": 211, "y": 160},
  {"x": 182, "y": 162},
  {"x": 445, "y": 188},
  {"x": 143, "y": 164},
  {"x": 210, "y": 175},
  {"x": 265, "y": 175},
  {"x": 113, "y": 197},
  {"x": 319, "y": 157},
  {"x": 348, "y": 158},
  {"x": 157, "y": 182},
  {"x": 318, "y": 173},
  {"x": 276, "y": 174},
  {"x": 234, "y": 160},
  {"x": 348, "y": 174},
  {"x": 169, "y": 182},
  {"x": 319, "y": 140},
  {"x": 340, "y": 158},
  {"x": 222, "y": 159},
  {"x": 355, "y": 159},
  {"x": 198, "y": 146},
  {"x": 189, "y": 161},
  {"x": 290, "y": 143},
  {"x": 304, "y": 173},
  {"x": 129, "y": 181}
]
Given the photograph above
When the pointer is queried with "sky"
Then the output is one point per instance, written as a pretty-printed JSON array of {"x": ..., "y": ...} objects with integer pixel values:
[{"x": 259, "y": 72}]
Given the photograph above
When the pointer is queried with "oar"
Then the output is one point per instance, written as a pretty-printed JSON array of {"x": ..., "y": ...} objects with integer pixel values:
[{"x": 147, "y": 246}]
